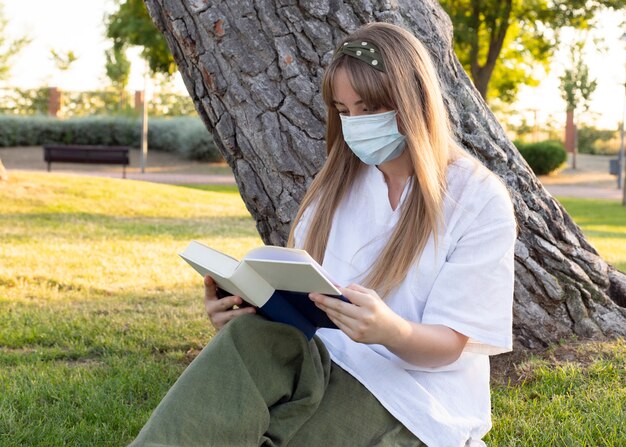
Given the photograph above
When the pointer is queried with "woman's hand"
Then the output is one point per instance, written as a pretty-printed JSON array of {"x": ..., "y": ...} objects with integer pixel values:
[
  {"x": 220, "y": 310},
  {"x": 367, "y": 319}
]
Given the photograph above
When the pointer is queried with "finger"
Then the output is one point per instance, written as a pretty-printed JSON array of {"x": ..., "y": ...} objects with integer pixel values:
[
  {"x": 340, "y": 317},
  {"x": 220, "y": 305},
  {"x": 221, "y": 318},
  {"x": 342, "y": 326},
  {"x": 335, "y": 304},
  {"x": 356, "y": 297},
  {"x": 210, "y": 289},
  {"x": 359, "y": 288},
  {"x": 229, "y": 301},
  {"x": 208, "y": 281}
]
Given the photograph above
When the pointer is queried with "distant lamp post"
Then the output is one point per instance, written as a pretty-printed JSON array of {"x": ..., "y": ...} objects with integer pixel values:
[
  {"x": 620, "y": 177},
  {"x": 144, "y": 122}
]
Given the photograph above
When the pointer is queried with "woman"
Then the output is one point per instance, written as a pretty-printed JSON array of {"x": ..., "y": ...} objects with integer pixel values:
[{"x": 423, "y": 234}]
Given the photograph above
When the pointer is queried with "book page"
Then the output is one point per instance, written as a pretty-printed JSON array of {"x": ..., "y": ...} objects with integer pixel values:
[
  {"x": 293, "y": 276},
  {"x": 291, "y": 255},
  {"x": 214, "y": 261},
  {"x": 222, "y": 282},
  {"x": 255, "y": 287},
  {"x": 228, "y": 273}
]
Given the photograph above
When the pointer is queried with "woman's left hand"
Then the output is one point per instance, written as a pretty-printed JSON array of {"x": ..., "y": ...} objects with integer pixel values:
[{"x": 366, "y": 319}]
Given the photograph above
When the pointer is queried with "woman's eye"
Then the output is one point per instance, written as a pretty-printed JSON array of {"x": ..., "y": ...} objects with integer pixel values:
[{"x": 364, "y": 111}]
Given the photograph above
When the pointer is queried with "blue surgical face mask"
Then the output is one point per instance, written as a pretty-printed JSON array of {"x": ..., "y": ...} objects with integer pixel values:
[{"x": 373, "y": 138}]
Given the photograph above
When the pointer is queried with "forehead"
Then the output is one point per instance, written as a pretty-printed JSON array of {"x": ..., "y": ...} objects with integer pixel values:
[{"x": 343, "y": 92}]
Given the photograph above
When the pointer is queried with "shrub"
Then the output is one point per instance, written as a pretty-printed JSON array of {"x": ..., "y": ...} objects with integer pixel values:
[
  {"x": 186, "y": 136},
  {"x": 543, "y": 157},
  {"x": 592, "y": 140}
]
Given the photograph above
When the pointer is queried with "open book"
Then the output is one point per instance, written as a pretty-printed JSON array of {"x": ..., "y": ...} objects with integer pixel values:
[{"x": 276, "y": 280}]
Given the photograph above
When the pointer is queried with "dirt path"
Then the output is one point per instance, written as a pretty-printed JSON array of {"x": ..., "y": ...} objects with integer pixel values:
[
  {"x": 590, "y": 180},
  {"x": 161, "y": 167}
]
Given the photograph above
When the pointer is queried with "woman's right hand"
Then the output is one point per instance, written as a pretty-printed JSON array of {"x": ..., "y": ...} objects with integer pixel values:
[{"x": 220, "y": 310}]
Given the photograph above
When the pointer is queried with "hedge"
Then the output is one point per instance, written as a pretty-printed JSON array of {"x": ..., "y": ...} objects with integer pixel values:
[
  {"x": 543, "y": 157},
  {"x": 186, "y": 136}
]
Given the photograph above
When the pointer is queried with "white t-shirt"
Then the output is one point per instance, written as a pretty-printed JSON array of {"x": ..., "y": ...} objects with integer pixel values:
[{"x": 467, "y": 285}]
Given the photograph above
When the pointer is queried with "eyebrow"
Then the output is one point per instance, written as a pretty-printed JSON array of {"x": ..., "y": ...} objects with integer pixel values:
[{"x": 337, "y": 103}]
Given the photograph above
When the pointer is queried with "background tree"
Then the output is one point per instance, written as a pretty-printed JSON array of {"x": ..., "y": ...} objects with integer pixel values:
[
  {"x": 576, "y": 85},
  {"x": 253, "y": 69},
  {"x": 9, "y": 48},
  {"x": 500, "y": 42},
  {"x": 130, "y": 25},
  {"x": 576, "y": 91},
  {"x": 117, "y": 68},
  {"x": 63, "y": 61}
]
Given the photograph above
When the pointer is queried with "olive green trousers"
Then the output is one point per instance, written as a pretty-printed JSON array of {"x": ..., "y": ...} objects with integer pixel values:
[{"x": 260, "y": 383}]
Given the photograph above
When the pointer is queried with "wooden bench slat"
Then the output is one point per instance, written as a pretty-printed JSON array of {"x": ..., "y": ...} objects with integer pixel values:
[{"x": 87, "y": 154}]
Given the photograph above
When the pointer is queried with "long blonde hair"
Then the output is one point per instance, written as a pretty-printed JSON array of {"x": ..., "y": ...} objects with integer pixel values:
[{"x": 411, "y": 87}]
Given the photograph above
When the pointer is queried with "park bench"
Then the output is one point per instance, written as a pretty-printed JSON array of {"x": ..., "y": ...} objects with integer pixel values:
[{"x": 117, "y": 155}]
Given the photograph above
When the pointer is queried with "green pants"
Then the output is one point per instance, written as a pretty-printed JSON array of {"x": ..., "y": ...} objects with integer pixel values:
[{"x": 259, "y": 383}]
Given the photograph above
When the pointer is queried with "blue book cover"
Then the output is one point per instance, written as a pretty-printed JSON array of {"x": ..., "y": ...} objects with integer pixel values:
[{"x": 296, "y": 309}]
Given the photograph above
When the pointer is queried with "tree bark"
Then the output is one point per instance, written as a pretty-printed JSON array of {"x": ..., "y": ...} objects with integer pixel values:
[
  {"x": 481, "y": 74},
  {"x": 254, "y": 68}
]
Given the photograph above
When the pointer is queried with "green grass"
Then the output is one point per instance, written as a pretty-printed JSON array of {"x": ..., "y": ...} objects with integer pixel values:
[
  {"x": 576, "y": 398},
  {"x": 604, "y": 224},
  {"x": 99, "y": 316}
]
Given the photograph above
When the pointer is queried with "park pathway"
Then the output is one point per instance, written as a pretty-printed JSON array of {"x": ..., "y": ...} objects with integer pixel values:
[{"x": 590, "y": 180}]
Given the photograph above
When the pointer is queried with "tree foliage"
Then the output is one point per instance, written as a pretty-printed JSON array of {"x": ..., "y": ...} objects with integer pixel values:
[
  {"x": 63, "y": 60},
  {"x": 500, "y": 42},
  {"x": 576, "y": 85},
  {"x": 117, "y": 66},
  {"x": 8, "y": 48},
  {"x": 131, "y": 25}
]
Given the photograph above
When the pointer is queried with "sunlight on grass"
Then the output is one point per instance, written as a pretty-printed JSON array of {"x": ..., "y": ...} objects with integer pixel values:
[
  {"x": 74, "y": 236},
  {"x": 99, "y": 315},
  {"x": 604, "y": 224}
]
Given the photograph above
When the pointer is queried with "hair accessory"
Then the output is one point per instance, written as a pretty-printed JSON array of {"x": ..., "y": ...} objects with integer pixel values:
[{"x": 363, "y": 51}]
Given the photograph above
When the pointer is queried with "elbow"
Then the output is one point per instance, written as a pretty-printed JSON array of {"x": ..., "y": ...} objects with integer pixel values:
[{"x": 452, "y": 351}]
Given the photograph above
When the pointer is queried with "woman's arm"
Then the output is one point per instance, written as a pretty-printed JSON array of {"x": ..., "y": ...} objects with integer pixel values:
[
  {"x": 427, "y": 345},
  {"x": 369, "y": 320}
]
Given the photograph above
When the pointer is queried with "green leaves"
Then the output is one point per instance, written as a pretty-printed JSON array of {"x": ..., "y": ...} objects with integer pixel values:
[
  {"x": 131, "y": 25},
  {"x": 500, "y": 42},
  {"x": 576, "y": 86}
]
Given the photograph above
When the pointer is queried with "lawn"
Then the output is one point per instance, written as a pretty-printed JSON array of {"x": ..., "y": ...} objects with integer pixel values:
[
  {"x": 98, "y": 316},
  {"x": 604, "y": 224}
]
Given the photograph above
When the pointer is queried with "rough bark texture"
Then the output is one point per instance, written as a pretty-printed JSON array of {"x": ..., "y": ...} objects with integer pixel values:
[{"x": 254, "y": 69}]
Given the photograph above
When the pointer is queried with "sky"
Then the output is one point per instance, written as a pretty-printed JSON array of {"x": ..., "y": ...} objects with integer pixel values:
[
  {"x": 63, "y": 25},
  {"x": 78, "y": 25}
]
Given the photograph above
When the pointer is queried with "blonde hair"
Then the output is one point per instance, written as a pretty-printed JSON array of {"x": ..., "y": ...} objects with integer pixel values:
[{"x": 411, "y": 87}]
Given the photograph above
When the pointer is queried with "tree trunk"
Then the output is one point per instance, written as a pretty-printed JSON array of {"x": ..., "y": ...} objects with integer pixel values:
[
  {"x": 3, "y": 172},
  {"x": 253, "y": 69}
]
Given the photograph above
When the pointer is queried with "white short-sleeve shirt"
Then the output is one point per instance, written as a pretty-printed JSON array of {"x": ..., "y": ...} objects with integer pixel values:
[{"x": 467, "y": 285}]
